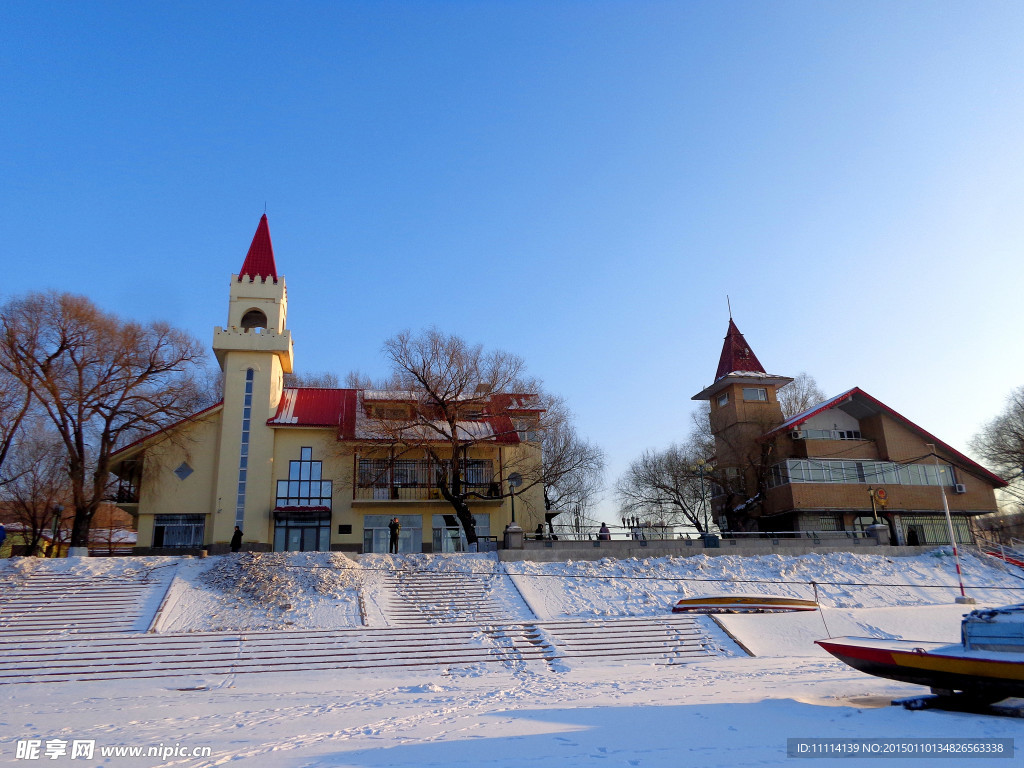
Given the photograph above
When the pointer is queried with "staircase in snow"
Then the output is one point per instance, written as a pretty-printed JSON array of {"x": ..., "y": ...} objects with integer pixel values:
[
  {"x": 416, "y": 597},
  {"x": 52, "y": 603},
  {"x": 118, "y": 656}
]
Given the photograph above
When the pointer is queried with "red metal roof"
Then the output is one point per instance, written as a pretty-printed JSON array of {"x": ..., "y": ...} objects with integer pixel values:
[
  {"x": 737, "y": 354},
  {"x": 259, "y": 261},
  {"x": 308, "y": 407}
]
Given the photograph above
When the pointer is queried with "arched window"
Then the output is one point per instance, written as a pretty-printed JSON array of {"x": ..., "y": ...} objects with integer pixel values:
[{"x": 254, "y": 318}]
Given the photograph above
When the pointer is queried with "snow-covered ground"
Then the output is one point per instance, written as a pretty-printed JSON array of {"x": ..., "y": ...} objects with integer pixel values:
[{"x": 716, "y": 711}]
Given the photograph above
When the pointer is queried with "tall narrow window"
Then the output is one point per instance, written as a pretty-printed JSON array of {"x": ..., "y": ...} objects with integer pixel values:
[{"x": 243, "y": 459}]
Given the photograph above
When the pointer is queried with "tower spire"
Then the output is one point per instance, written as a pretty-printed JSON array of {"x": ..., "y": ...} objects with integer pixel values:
[
  {"x": 737, "y": 355},
  {"x": 259, "y": 261}
]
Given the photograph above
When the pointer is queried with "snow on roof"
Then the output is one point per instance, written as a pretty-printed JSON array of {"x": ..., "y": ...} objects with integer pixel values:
[
  {"x": 800, "y": 418},
  {"x": 498, "y": 429},
  {"x": 391, "y": 395}
]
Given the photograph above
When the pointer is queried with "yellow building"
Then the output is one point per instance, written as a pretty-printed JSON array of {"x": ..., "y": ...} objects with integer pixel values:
[{"x": 299, "y": 468}]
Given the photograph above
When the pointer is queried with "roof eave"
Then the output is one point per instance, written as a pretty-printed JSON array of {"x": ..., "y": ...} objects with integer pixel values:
[{"x": 729, "y": 379}]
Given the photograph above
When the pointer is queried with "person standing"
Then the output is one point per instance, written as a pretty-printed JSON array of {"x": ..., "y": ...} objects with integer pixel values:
[
  {"x": 395, "y": 528},
  {"x": 604, "y": 534},
  {"x": 236, "y": 539}
]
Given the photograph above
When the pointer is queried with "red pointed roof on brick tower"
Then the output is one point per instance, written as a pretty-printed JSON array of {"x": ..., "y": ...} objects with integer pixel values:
[
  {"x": 737, "y": 355},
  {"x": 259, "y": 261}
]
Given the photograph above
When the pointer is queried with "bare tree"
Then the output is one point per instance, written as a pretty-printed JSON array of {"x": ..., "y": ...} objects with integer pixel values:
[
  {"x": 668, "y": 487},
  {"x": 360, "y": 380},
  {"x": 463, "y": 397},
  {"x": 317, "y": 380},
  {"x": 38, "y": 489},
  {"x": 1000, "y": 444},
  {"x": 799, "y": 395},
  {"x": 101, "y": 382},
  {"x": 573, "y": 469},
  {"x": 15, "y": 402}
]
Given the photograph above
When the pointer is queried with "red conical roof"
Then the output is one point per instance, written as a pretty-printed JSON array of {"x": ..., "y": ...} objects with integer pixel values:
[
  {"x": 259, "y": 261},
  {"x": 736, "y": 354}
]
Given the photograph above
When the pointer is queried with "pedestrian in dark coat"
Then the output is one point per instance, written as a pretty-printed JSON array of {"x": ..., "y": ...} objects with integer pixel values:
[
  {"x": 604, "y": 534},
  {"x": 236, "y": 539},
  {"x": 395, "y": 528}
]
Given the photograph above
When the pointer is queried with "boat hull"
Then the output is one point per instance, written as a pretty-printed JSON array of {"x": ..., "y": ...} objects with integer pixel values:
[
  {"x": 988, "y": 675},
  {"x": 742, "y": 604}
]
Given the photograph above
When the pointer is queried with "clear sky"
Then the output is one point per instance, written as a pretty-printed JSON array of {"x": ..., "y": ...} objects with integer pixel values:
[{"x": 581, "y": 183}]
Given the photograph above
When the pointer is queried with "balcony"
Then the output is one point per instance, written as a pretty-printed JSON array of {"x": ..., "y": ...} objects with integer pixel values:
[
  {"x": 405, "y": 480},
  {"x": 405, "y": 493}
]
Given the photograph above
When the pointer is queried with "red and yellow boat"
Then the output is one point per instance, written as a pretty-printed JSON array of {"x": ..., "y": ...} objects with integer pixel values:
[
  {"x": 988, "y": 663},
  {"x": 742, "y": 604}
]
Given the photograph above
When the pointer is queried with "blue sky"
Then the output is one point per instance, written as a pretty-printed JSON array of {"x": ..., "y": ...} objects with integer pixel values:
[{"x": 581, "y": 183}]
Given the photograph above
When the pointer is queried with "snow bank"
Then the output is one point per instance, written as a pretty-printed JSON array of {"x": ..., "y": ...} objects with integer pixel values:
[{"x": 633, "y": 587}]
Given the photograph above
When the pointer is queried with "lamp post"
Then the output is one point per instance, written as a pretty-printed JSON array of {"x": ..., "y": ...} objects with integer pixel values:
[
  {"x": 949, "y": 526},
  {"x": 514, "y": 481},
  {"x": 58, "y": 510},
  {"x": 699, "y": 469}
]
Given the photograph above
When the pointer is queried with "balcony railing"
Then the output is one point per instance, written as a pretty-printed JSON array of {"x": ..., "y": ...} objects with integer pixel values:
[{"x": 420, "y": 493}]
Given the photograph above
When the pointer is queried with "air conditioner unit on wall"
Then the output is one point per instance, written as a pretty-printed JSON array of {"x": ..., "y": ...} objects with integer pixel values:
[{"x": 960, "y": 488}]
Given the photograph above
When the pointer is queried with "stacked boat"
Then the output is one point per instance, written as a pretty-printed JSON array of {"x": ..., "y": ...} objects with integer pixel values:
[{"x": 986, "y": 666}]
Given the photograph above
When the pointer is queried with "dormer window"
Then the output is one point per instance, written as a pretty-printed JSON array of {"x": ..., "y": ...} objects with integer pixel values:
[
  {"x": 390, "y": 412},
  {"x": 755, "y": 393}
]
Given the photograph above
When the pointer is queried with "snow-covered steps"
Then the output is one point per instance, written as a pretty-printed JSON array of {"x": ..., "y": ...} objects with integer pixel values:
[
  {"x": 48, "y": 603},
  {"x": 422, "y": 597},
  {"x": 113, "y": 656},
  {"x": 659, "y": 639}
]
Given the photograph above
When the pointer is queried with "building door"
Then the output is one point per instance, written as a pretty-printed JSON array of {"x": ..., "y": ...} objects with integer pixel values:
[
  {"x": 915, "y": 535},
  {"x": 302, "y": 533}
]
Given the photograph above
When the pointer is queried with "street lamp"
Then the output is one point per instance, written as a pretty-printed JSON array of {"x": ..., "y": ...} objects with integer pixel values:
[
  {"x": 58, "y": 510},
  {"x": 699, "y": 469},
  {"x": 514, "y": 481}
]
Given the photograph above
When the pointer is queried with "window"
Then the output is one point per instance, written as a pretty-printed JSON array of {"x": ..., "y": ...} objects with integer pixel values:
[
  {"x": 932, "y": 529},
  {"x": 305, "y": 486},
  {"x": 178, "y": 531},
  {"x": 755, "y": 393},
  {"x": 244, "y": 452},
  {"x": 826, "y": 434},
  {"x": 527, "y": 430},
  {"x": 864, "y": 472},
  {"x": 396, "y": 412},
  {"x": 723, "y": 399},
  {"x": 376, "y": 533},
  {"x": 448, "y": 535}
]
